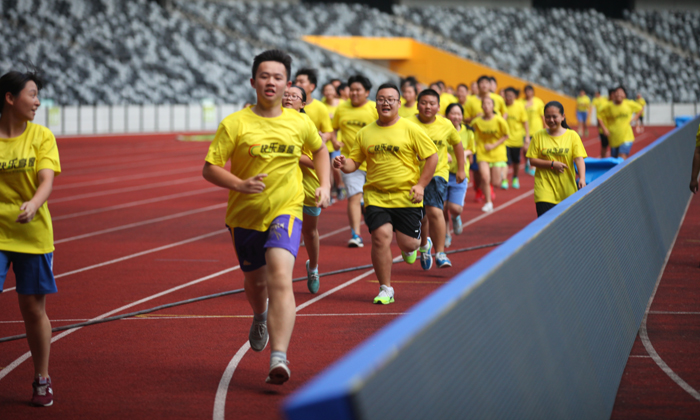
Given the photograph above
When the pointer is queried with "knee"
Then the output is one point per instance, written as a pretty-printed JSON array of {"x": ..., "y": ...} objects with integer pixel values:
[{"x": 32, "y": 312}]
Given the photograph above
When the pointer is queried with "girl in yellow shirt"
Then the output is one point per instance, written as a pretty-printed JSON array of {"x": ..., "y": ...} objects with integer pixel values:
[
  {"x": 554, "y": 151},
  {"x": 28, "y": 163},
  {"x": 457, "y": 191}
]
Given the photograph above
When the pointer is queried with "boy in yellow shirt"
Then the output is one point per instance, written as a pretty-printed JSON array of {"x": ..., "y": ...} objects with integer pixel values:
[
  {"x": 599, "y": 102},
  {"x": 696, "y": 165},
  {"x": 583, "y": 108},
  {"x": 28, "y": 164},
  {"x": 519, "y": 136},
  {"x": 473, "y": 107},
  {"x": 266, "y": 198},
  {"x": 395, "y": 185},
  {"x": 442, "y": 133},
  {"x": 616, "y": 121}
]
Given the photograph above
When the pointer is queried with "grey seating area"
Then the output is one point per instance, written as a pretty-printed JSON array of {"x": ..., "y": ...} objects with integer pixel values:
[{"x": 680, "y": 28}]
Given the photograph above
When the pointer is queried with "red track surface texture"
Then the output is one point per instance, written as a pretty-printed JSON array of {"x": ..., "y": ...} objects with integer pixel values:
[{"x": 136, "y": 226}]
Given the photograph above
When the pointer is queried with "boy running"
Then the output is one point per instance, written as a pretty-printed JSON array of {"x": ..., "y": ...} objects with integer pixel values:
[
  {"x": 616, "y": 121},
  {"x": 395, "y": 184},
  {"x": 266, "y": 197}
]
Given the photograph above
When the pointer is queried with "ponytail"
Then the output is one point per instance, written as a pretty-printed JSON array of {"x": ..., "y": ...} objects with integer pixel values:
[{"x": 560, "y": 107}]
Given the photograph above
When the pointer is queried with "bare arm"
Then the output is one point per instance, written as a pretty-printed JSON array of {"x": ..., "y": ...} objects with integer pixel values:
[
  {"x": 43, "y": 191},
  {"x": 306, "y": 161},
  {"x": 223, "y": 178},
  {"x": 548, "y": 164},
  {"x": 581, "y": 166},
  {"x": 459, "y": 154},
  {"x": 344, "y": 164},
  {"x": 492, "y": 146},
  {"x": 602, "y": 125},
  {"x": 425, "y": 177},
  {"x": 323, "y": 170},
  {"x": 696, "y": 171}
]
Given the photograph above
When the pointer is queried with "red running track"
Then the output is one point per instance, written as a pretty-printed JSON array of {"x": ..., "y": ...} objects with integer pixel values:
[{"x": 136, "y": 227}]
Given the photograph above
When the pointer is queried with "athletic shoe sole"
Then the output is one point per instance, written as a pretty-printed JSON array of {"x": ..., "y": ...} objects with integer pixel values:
[
  {"x": 278, "y": 375},
  {"x": 383, "y": 302}
]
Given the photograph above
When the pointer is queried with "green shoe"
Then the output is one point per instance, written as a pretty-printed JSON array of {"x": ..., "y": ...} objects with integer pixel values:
[
  {"x": 504, "y": 184},
  {"x": 385, "y": 296},
  {"x": 410, "y": 257},
  {"x": 516, "y": 184}
]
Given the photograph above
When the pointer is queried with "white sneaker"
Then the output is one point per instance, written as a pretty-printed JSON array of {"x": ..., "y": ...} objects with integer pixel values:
[
  {"x": 279, "y": 372},
  {"x": 488, "y": 208},
  {"x": 385, "y": 296}
]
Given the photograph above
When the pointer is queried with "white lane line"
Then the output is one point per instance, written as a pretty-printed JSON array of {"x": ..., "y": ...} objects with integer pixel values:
[
  {"x": 137, "y": 203},
  {"x": 8, "y": 289},
  {"x": 640, "y": 356},
  {"x": 127, "y": 189},
  {"x": 53, "y": 320},
  {"x": 125, "y": 178},
  {"x": 138, "y": 254},
  {"x": 222, "y": 390},
  {"x": 644, "y": 333},
  {"x": 145, "y": 222},
  {"x": 499, "y": 208},
  {"x": 149, "y": 163},
  {"x": 7, "y": 369}
]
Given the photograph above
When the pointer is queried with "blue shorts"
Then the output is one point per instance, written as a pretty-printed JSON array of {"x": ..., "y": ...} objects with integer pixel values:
[
  {"x": 624, "y": 149},
  {"x": 455, "y": 191},
  {"x": 312, "y": 211},
  {"x": 435, "y": 193},
  {"x": 250, "y": 245},
  {"x": 582, "y": 115},
  {"x": 334, "y": 154},
  {"x": 34, "y": 272}
]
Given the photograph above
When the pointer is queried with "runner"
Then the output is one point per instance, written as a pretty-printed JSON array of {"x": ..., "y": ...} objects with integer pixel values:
[
  {"x": 599, "y": 102},
  {"x": 490, "y": 132},
  {"x": 331, "y": 100},
  {"x": 616, "y": 120},
  {"x": 442, "y": 133},
  {"x": 554, "y": 151},
  {"x": 535, "y": 118},
  {"x": 349, "y": 118},
  {"x": 343, "y": 91},
  {"x": 410, "y": 107},
  {"x": 640, "y": 121},
  {"x": 583, "y": 108},
  {"x": 457, "y": 191},
  {"x": 395, "y": 184},
  {"x": 474, "y": 109},
  {"x": 266, "y": 197},
  {"x": 462, "y": 95},
  {"x": 696, "y": 165},
  {"x": 519, "y": 137},
  {"x": 28, "y": 164}
]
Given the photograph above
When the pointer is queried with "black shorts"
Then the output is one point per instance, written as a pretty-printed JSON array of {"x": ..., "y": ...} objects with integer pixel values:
[
  {"x": 513, "y": 154},
  {"x": 603, "y": 140},
  {"x": 543, "y": 207},
  {"x": 404, "y": 219}
]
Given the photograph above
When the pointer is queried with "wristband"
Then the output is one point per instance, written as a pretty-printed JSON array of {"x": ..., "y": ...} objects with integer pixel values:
[{"x": 552, "y": 166}]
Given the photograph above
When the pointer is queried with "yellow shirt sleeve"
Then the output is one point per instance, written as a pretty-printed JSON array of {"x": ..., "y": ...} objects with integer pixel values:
[
  {"x": 47, "y": 157},
  {"x": 221, "y": 147},
  {"x": 357, "y": 153}
]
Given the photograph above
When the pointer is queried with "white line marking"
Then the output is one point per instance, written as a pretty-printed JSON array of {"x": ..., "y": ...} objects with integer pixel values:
[
  {"x": 138, "y": 254},
  {"x": 8, "y": 289},
  {"x": 138, "y": 203},
  {"x": 127, "y": 189},
  {"x": 501, "y": 207},
  {"x": 126, "y": 178},
  {"x": 644, "y": 333},
  {"x": 149, "y": 163},
  {"x": 53, "y": 320},
  {"x": 7, "y": 369},
  {"x": 222, "y": 390},
  {"x": 640, "y": 356},
  {"x": 145, "y": 222}
]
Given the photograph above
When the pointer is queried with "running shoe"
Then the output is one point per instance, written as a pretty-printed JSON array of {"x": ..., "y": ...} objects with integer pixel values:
[
  {"x": 258, "y": 336},
  {"x": 342, "y": 193},
  {"x": 312, "y": 279},
  {"x": 448, "y": 240},
  {"x": 488, "y": 208},
  {"x": 479, "y": 196},
  {"x": 43, "y": 392},
  {"x": 355, "y": 242},
  {"x": 504, "y": 184},
  {"x": 279, "y": 371},
  {"x": 457, "y": 224},
  {"x": 442, "y": 261},
  {"x": 409, "y": 257},
  {"x": 426, "y": 260},
  {"x": 385, "y": 296},
  {"x": 516, "y": 184}
]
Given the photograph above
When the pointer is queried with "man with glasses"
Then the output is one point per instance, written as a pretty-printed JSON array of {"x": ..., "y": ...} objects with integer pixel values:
[
  {"x": 442, "y": 132},
  {"x": 394, "y": 189},
  {"x": 348, "y": 119}
]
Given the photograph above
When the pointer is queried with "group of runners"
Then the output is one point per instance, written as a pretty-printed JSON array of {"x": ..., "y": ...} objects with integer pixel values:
[{"x": 401, "y": 160}]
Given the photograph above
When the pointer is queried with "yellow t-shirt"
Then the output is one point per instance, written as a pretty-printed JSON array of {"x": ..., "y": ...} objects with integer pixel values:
[
  {"x": 442, "y": 132},
  {"x": 348, "y": 120},
  {"x": 535, "y": 114},
  {"x": 583, "y": 103},
  {"x": 408, "y": 112},
  {"x": 467, "y": 137},
  {"x": 517, "y": 116},
  {"x": 257, "y": 145},
  {"x": 21, "y": 159},
  {"x": 551, "y": 186},
  {"x": 697, "y": 138},
  {"x": 445, "y": 100},
  {"x": 642, "y": 102},
  {"x": 331, "y": 110},
  {"x": 473, "y": 105},
  {"x": 392, "y": 168},
  {"x": 617, "y": 118},
  {"x": 599, "y": 103},
  {"x": 318, "y": 112},
  {"x": 490, "y": 132}
]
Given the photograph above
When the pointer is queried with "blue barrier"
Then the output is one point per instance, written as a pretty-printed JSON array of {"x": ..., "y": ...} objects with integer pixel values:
[
  {"x": 597, "y": 167},
  {"x": 683, "y": 119},
  {"x": 541, "y": 327}
]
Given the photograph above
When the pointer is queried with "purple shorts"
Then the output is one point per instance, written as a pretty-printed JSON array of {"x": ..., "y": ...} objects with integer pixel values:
[{"x": 284, "y": 232}]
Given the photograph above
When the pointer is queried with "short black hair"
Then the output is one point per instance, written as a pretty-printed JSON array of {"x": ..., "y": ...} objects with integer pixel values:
[
  {"x": 529, "y": 87},
  {"x": 618, "y": 87},
  {"x": 273, "y": 55},
  {"x": 311, "y": 74},
  {"x": 441, "y": 84},
  {"x": 15, "y": 81},
  {"x": 358, "y": 78},
  {"x": 411, "y": 84},
  {"x": 335, "y": 80},
  {"x": 493, "y": 79},
  {"x": 389, "y": 86},
  {"x": 452, "y": 105},
  {"x": 462, "y": 85},
  {"x": 514, "y": 90},
  {"x": 340, "y": 87},
  {"x": 410, "y": 79},
  {"x": 482, "y": 78},
  {"x": 428, "y": 92}
]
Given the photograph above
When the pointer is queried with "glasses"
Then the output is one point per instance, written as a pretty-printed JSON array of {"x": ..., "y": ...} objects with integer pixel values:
[
  {"x": 292, "y": 96},
  {"x": 388, "y": 101}
]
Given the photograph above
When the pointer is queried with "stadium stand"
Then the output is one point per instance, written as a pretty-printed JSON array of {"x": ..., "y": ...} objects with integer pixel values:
[{"x": 118, "y": 51}]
